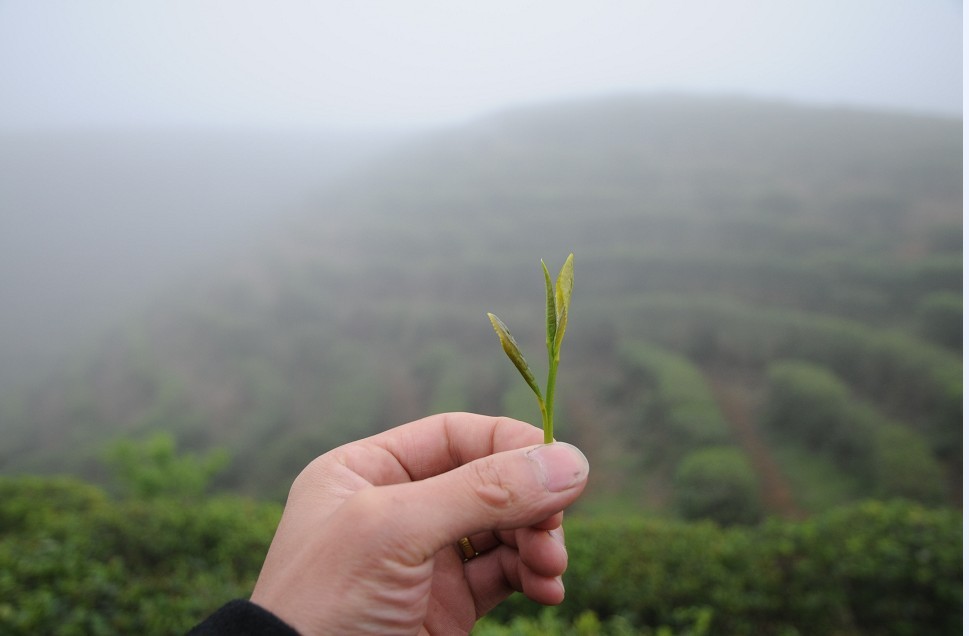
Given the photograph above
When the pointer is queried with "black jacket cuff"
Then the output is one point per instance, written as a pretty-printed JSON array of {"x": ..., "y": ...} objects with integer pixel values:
[{"x": 242, "y": 618}]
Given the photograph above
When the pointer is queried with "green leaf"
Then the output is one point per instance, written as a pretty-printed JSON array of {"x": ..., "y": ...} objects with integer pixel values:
[
  {"x": 551, "y": 314},
  {"x": 563, "y": 296},
  {"x": 557, "y": 299},
  {"x": 514, "y": 353}
]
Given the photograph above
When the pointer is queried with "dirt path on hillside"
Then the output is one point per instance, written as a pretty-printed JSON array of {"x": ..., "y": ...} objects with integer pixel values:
[{"x": 735, "y": 398}]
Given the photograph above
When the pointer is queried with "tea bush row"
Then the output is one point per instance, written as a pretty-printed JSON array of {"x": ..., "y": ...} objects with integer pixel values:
[
  {"x": 75, "y": 561},
  {"x": 919, "y": 383},
  {"x": 682, "y": 423},
  {"x": 811, "y": 406},
  {"x": 673, "y": 396},
  {"x": 890, "y": 568}
]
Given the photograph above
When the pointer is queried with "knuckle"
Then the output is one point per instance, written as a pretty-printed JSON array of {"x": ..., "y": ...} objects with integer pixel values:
[
  {"x": 364, "y": 509},
  {"x": 490, "y": 487}
]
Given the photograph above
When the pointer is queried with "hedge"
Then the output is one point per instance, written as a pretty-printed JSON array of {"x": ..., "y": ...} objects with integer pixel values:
[
  {"x": 890, "y": 568},
  {"x": 74, "y": 561}
]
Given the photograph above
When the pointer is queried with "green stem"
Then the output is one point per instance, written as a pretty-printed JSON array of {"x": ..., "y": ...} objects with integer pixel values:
[
  {"x": 545, "y": 418},
  {"x": 553, "y": 368}
]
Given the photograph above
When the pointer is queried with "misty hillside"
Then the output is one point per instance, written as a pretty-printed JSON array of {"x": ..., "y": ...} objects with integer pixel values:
[
  {"x": 767, "y": 289},
  {"x": 94, "y": 223}
]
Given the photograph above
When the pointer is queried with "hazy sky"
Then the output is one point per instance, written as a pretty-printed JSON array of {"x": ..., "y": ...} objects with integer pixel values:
[{"x": 400, "y": 62}]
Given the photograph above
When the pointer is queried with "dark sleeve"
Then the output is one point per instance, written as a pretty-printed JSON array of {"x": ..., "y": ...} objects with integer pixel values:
[{"x": 242, "y": 618}]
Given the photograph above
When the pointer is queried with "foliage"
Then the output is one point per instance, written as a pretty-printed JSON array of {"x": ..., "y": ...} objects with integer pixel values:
[
  {"x": 811, "y": 406},
  {"x": 717, "y": 483},
  {"x": 73, "y": 561},
  {"x": 873, "y": 568},
  {"x": 676, "y": 410},
  {"x": 918, "y": 383},
  {"x": 557, "y": 301},
  {"x": 682, "y": 430},
  {"x": 152, "y": 468},
  {"x": 902, "y": 466},
  {"x": 549, "y": 622}
]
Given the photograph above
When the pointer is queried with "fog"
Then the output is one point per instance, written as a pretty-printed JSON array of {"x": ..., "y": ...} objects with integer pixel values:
[
  {"x": 302, "y": 63},
  {"x": 141, "y": 140},
  {"x": 97, "y": 223}
]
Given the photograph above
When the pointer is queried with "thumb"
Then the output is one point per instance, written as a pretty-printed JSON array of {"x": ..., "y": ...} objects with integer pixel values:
[{"x": 507, "y": 490}]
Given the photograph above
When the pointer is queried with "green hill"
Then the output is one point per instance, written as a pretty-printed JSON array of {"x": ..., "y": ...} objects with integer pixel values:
[{"x": 713, "y": 238}]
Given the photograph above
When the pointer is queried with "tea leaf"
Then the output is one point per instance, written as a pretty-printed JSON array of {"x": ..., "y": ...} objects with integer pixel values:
[
  {"x": 514, "y": 353},
  {"x": 563, "y": 297},
  {"x": 557, "y": 301},
  {"x": 551, "y": 315}
]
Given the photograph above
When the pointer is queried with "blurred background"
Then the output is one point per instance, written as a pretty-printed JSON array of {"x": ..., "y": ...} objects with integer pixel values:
[{"x": 234, "y": 235}]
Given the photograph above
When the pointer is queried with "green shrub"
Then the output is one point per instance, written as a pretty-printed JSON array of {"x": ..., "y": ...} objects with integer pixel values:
[
  {"x": 902, "y": 466},
  {"x": 717, "y": 483},
  {"x": 30, "y": 503},
  {"x": 919, "y": 383},
  {"x": 153, "y": 468},
  {"x": 872, "y": 568},
  {"x": 79, "y": 563},
  {"x": 807, "y": 403},
  {"x": 679, "y": 402},
  {"x": 811, "y": 406},
  {"x": 549, "y": 622},
  {"x": 73, "y": 561}
]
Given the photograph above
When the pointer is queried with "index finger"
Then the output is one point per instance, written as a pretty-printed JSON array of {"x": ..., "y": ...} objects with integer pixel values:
[{"x": 437, "y": 444}]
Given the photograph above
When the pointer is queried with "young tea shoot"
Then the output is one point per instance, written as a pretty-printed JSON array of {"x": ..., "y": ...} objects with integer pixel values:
[{"x": 557, "y": 299}]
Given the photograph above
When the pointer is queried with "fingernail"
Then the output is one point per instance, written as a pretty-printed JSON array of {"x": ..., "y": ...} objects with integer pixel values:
[
  {"x": 559, "y": 538},
  {"x": 562, "y": 465},
  {"x": 558, "y": 535}
]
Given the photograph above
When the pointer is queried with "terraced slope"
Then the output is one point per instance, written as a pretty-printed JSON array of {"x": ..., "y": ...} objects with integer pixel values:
[{"x": 722, "y": 234}]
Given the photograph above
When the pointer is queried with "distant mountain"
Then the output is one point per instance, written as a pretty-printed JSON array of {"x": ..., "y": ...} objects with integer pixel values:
[{"x": 728, "y": 233}]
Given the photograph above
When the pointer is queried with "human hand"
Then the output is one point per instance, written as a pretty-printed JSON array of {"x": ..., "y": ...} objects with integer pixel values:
[{"x": 367, "y": 541}]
